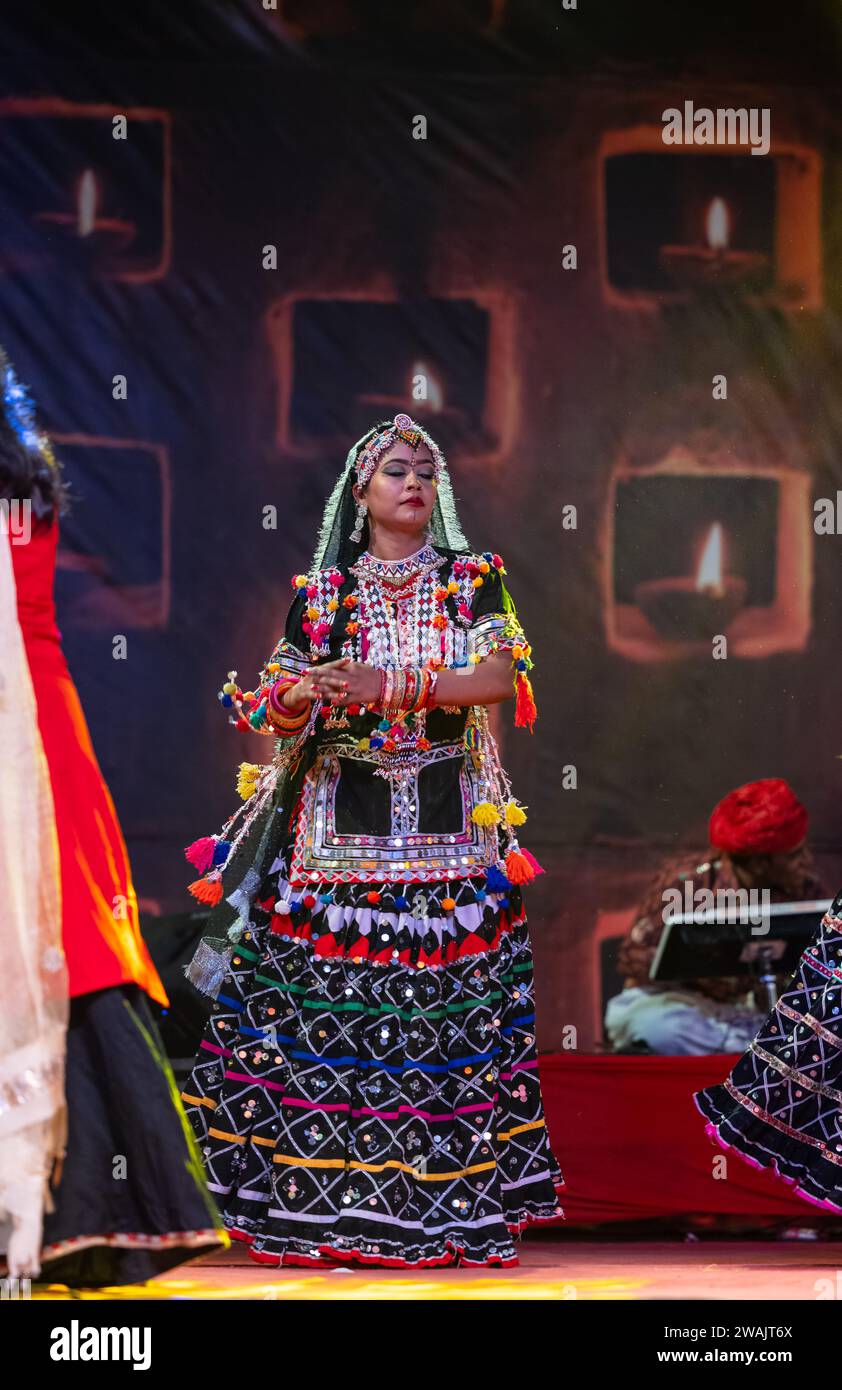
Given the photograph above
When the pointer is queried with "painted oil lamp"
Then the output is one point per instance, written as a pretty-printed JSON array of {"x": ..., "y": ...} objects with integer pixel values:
[
  {"x": 431, "y": 410},
  {"x": 90, "y": 235},
  {"x": 698, "y": 607},
  {"x": 715, "y": 264}
]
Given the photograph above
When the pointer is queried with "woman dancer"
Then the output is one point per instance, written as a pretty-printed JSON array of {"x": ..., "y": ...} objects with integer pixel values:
[
  {"x": 130, "y": 1198},
  {"x": 367, "y": 1086}
]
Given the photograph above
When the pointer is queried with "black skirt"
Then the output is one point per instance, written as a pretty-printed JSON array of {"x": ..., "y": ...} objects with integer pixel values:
[
  {"x": 132, "y": 1199},
  {"x": 781, "y": 1105},
  {"x": 367, "y": 1086}
]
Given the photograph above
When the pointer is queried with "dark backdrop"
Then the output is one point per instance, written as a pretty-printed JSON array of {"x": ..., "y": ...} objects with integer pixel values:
[{"x": 551, "y": 387}]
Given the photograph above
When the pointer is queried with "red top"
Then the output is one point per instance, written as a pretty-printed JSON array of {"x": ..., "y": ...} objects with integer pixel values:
[{"x": 100, "y": 926}]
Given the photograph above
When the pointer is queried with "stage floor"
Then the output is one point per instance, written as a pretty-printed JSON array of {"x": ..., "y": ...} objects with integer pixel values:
[{"x": 550, "y": 1268}]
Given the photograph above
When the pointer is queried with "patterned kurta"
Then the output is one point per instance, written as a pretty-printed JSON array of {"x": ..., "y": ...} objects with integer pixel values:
[{"x": 367, "y": 1087}]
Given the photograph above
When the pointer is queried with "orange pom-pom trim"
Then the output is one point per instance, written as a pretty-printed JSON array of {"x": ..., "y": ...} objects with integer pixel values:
[
  {"x": 206, "y": 890},
  {"x": 518, "y": 868}
]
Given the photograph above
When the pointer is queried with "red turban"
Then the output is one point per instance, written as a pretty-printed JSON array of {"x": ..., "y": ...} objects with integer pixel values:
[{"x": 763, "y": 817}]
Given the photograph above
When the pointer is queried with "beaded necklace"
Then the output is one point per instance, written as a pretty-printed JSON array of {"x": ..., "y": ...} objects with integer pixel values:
[
  {"x": 398, "y": 574},
  {"x": 385, "y": 586}
]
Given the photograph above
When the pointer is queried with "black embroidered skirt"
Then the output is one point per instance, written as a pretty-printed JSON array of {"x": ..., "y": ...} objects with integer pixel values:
[
  {"x": 781, "y": 1106},
  {"x": 367, "y": 1086}
]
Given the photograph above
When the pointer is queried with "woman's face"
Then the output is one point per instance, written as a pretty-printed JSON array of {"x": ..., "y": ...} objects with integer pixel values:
[{"x": 401, "y": 493}]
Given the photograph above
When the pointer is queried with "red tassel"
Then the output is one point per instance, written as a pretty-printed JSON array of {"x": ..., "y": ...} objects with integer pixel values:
[
  {"x": 518, "y": 867},
  {"x": 200, "y": 853},
  {"x": 206, "y": 890},
  {"x": 525, "y": 709},
  {"x": 530, "y": 859}
]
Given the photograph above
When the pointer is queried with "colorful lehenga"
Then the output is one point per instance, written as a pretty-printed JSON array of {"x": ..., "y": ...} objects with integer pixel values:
[
  {"x": 781, "y": 1105},
  {"x": 367, "y": 1086}
]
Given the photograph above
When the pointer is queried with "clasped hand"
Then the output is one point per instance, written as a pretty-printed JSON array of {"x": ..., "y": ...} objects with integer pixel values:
[{"x": 342, "y": 682}]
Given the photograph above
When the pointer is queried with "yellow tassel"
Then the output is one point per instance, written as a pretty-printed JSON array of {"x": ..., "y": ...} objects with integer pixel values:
[
  {"x": 515, "y": 815},
  {"x": 247, "y": 776},
  {"x": 485, "y": 813}
]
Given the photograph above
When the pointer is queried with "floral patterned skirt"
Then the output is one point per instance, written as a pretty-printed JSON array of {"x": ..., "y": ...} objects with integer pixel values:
[
  {"x": 367, "y": 1085},
  {"x": 781, "y": 1106}
]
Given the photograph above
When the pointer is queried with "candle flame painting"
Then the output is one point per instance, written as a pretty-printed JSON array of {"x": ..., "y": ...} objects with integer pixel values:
[
  {"x": 716, "y": 225},
  {"x": 435, "y": 394},
  {"x": 709, "y": 573},
  {"x": 86, "y": 201}
]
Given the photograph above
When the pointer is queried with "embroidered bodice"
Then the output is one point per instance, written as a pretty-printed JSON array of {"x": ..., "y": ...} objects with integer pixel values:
[
  {"x": 399, "y": 809},
  {"x": 396, "y": 610}
]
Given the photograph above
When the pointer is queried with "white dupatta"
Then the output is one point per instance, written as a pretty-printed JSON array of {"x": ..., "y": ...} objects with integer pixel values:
[{"x": 34, "y": 1002}]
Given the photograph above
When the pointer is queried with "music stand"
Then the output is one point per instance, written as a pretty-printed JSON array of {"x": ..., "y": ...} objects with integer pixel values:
[{"x": 714, "y": 943}]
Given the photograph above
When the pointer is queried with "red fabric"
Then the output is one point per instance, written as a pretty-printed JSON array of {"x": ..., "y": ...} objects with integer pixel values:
[
  {"x": 102, "y": 949},
  {"x": 632, "y": 1145},
  {"x": 762, "y": 817}
]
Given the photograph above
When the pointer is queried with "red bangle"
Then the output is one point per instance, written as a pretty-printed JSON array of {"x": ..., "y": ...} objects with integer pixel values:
[
  {"x": 277, "y": 712},
  {"x": 277, "y": 692}
]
